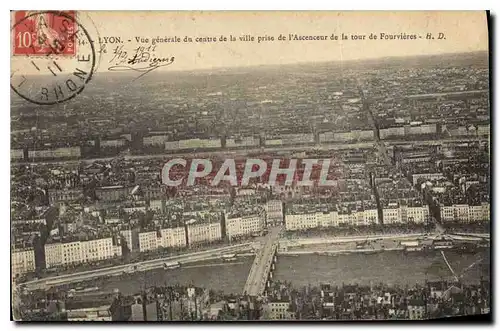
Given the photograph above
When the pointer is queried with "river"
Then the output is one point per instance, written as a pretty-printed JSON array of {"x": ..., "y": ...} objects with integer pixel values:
[{"x": 387, "y": 267}]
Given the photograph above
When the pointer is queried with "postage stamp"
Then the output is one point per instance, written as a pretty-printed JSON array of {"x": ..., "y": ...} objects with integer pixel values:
[
  {"x": 44, "y": 33},
  {"x": 55, "y": 56}
]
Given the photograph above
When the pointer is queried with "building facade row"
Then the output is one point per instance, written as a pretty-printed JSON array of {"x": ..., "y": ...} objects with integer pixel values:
[
  {"x": 465, "y": 213},
  {"x": 162, "y": 238},
  {"x": 193, "y": 143},
  {"x": 77, "y": 252},
  {"x": 395, "y": 215}
]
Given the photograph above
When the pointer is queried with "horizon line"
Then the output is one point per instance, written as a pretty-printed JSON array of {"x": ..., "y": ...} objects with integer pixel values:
[{"x": 256, "y": 66}]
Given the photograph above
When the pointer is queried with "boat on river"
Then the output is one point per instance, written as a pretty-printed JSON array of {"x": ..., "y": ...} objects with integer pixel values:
[
  {"x": 171, "y": 265},
  {"x": 229, "y": 257},
  {"x": 442, "y": 244}
]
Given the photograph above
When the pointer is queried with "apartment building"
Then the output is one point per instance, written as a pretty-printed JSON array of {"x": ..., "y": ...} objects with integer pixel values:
[
  {"x": 22, "y": 261},
  {"x": 202, "y": 231},
  {"x": 244, "y": 224},
  {"x": 76, "y": 252},
  {"x": 465, "y": 213},
  {"x": 162, "y": 238},
  {"x": 274, "y": 212}
]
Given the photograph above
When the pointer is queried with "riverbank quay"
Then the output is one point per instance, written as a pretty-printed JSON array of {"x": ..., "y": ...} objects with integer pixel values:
[
  {"x": 134, "y": 267},
  {"x": 310, "y": 245}
]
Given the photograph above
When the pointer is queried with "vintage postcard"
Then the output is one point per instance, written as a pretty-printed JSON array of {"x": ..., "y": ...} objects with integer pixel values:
[{"x": 228, "y": 166}]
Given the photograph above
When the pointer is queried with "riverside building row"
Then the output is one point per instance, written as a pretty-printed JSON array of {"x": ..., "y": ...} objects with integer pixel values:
[
  {"x": 82, "y": 236},
  {"x": 303, "y": 217}
]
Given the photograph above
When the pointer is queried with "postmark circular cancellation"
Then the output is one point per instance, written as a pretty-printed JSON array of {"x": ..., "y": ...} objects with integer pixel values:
[{"x": 53, "y": 56}]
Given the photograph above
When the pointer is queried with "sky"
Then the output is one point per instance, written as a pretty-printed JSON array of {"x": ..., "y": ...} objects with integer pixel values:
[{"x": 465, "y": 31}]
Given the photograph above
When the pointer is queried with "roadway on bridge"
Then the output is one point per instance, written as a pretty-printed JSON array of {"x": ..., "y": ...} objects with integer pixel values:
[{"x": 257, "y": 278}]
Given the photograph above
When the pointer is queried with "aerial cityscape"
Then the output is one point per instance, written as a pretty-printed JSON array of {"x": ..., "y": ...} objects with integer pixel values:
[{"x": 401, "y": 233}]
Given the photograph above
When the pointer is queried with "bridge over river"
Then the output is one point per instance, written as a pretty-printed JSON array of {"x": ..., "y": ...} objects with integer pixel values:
[{"x": 263, "y": 265}]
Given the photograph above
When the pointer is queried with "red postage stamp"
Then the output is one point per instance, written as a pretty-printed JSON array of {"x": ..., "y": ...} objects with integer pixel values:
[{"x": 44, "y": 33}]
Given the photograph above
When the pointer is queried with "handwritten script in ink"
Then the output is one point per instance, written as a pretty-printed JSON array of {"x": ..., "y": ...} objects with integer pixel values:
[{"x": 141, "y": 59}]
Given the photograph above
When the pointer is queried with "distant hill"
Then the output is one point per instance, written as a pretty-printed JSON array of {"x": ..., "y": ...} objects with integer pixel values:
[
  {"x": 477, "y": 59},
  {"x": 441, "y": 60}
]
